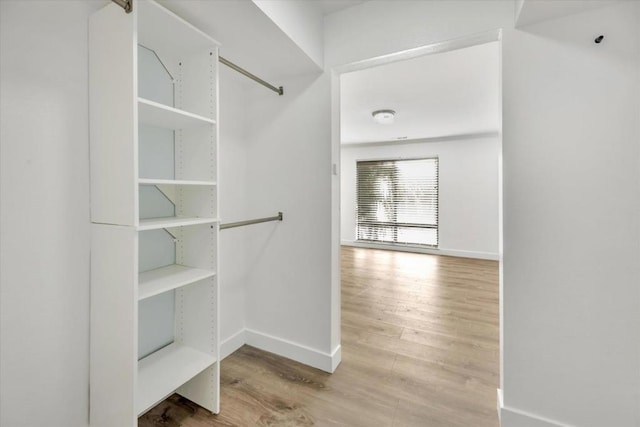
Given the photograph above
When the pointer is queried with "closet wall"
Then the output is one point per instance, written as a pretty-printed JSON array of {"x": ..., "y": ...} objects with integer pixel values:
[
  {"x": 234, "y": 205},
  {"x": 288, "y": 170},
  {"x": 282, "y": 275},
  {"x": 44, "y": 213},
  {"x": 274, "y": 276}
]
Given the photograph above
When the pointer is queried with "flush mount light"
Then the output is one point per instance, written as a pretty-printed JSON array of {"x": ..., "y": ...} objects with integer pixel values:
[{"x": 384, "y": 117}]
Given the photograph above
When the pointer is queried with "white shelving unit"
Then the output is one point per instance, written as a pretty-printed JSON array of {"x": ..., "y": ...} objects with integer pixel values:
[{"x": 129, "y": 211}]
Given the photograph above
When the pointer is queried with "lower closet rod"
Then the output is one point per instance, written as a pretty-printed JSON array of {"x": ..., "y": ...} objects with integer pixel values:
[{"x": 251, "y": 221}]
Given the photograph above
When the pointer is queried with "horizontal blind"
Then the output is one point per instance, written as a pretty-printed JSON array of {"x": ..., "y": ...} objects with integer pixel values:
[{"x": 398, "y": 201}]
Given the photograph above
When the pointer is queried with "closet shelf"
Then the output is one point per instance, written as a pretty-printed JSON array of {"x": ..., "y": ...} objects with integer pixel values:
[
  {"x": 155, "y": 114},
  {"x": 162, "y": 372},
  {"x": 167, "y": 278},
  {"x": 179, "y": 221},
  {"x": 148, "y": 181}
]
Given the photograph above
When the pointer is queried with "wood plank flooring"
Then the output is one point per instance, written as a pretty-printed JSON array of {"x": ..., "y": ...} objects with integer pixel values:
[{"x": 419, "y": 348}]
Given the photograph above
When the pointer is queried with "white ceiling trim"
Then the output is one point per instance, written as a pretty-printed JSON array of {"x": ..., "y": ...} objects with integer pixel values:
[
  {"x": 445, "y": 46},
  {"x": 461, "y": 137}
]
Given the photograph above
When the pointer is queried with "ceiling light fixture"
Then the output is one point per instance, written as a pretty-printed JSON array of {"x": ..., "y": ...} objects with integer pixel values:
[{"x": 384, "y": 117}]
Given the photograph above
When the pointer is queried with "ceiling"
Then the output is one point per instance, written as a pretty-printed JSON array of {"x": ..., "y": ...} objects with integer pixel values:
[
  {"x": 434, "y": 96},
  {"x": 331, "y": 6},
  {"x": 250, "y": 38},
  {"x": 534, "y": 11}
]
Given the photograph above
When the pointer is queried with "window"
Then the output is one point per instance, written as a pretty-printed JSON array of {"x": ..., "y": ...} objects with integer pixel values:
[{"x": 398, "y": 201}]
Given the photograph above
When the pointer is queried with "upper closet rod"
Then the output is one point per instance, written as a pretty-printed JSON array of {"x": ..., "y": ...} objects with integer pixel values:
[
  {"x": 127, "y": 5},
  {"x": 278, "y": 90}
]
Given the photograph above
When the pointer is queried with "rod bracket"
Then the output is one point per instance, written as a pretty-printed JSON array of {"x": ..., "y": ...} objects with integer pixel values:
[
  {"x": 127, "y": 5},
  {"x": 173, "y": 236},
  {"x": 280, "y": 91}
]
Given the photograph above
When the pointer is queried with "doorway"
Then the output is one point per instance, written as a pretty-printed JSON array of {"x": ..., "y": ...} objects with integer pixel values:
[{"x": 412, "y": 292}]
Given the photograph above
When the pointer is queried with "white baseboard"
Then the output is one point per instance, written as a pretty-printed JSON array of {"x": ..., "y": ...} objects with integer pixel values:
[
  {"x": 336, "y": 358},
  {"x": 419, "y": 249},
  {"x": 232, "y": 343},
  {"x": 469, "y": 254},
  {"x": 300, "y": 353},
  {"x": 511, "y": 417}
]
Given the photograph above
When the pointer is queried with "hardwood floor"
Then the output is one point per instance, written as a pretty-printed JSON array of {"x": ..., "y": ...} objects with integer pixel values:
[{"x": 419, "y": 348}]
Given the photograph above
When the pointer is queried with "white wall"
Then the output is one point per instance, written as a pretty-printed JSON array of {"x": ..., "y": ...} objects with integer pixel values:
[
  {"x": 534, "y": 11},
  {"x": 44, "y": 213},
  {"x": 377, "y": 28},
  {"x": 518, "y": 8},
  {"x": 572, "y": 169},
  {"x": 468, "y": 190},
  {"x": 288, "y": 288},
  {"x": 570, "y": 134},
  {"x": 233, "y": 204},
  {"x": 301, "y": 21},
  {"x": 275, "y": 276}
]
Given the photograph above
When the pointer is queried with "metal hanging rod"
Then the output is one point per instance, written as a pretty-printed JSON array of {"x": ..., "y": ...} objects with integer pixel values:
[
  {"x": 127, "y": 5},
  {"x": 251, "y": 221},
  {"x": 278, "y": 90}
]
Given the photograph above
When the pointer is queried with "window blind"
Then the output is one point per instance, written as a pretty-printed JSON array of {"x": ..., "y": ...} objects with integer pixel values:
[{"x": 398, "y": 201}]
